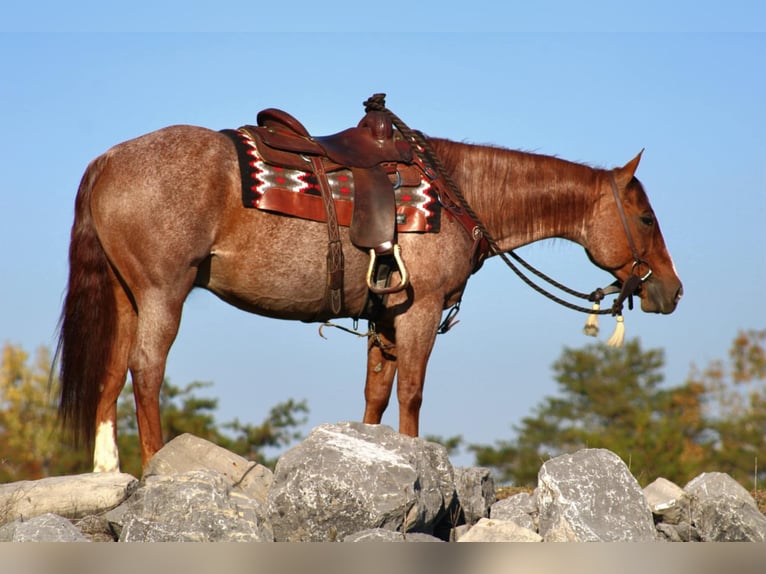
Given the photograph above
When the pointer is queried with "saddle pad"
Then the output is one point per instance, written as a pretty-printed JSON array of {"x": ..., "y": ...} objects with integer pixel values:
[{"x": 294, "y": 192}]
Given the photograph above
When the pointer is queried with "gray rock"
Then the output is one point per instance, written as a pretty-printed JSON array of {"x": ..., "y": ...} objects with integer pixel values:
[
  {"x": 591, "y": 496},
  {"x": 42, "y": 528},
  {"x": 491, "y": 530},
  {"x": 383, "y": 535},
  {"x": 349, "y": 477},
  {"x": 668, "y": 501},
  {"x": 68, "y": 496},
  {"x": 520, "y": 508},
  {"x": 681, "y": 532},
  {"x": 188, "y": 452},
  {"x": 196, "y": 506},
  {"x": 723, "y": 511},
  {"x": 475, "y": 489}
]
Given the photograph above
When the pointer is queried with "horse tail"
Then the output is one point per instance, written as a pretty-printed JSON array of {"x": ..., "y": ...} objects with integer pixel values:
[{"x": 88, "y": 318}]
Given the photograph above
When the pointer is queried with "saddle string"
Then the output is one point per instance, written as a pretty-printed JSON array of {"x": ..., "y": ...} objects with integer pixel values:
[{"x": 377, "y": 102}]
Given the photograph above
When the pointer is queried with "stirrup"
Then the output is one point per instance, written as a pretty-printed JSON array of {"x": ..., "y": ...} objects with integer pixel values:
[{"x": 404, "y": 276}]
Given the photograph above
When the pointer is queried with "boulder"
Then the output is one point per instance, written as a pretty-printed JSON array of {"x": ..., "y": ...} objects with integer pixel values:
[
  {"x": 491, "y": 530},
  {"x": 668, "y": 501},
  {"x": 349, "y": 477},
  {"x": 187, "y": 452},
  {"x": 723, "y": 511},
  {"x": 475, "y": 489},
  {"x": 520, "y": 508},
  {"x": 195, "y": 506},
  {"x": 592, "y": 496},
  {"x": 68, "y": 496},
  {"x": 42, "y": 528}
]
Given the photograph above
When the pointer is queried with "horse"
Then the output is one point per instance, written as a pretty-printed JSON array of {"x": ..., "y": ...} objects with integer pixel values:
[{"x": 161, "y": 214}]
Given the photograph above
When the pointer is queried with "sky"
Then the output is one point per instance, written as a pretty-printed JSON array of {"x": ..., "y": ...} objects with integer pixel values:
[{"x": 688, "y": 87}]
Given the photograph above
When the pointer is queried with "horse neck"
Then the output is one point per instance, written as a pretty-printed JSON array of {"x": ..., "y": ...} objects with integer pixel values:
[{"x": 522, "y": 197}]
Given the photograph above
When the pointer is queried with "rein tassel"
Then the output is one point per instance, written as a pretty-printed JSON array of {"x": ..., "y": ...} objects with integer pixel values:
[
  {"x": 618, "y": 337},
  {"x": 591, "y": 323}
]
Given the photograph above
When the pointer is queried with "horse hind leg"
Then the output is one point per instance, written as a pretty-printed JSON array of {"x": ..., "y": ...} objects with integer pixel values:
[
  {"x": 159, "y": 317},
  {"x": 105, "y": 452}
]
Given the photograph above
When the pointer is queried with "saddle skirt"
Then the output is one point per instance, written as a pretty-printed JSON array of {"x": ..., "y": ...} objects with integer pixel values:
[{"x": 285, "y": 188}]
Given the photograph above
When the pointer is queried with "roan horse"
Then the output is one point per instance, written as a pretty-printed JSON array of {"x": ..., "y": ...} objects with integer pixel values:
[{"x": 161, "y": 214}]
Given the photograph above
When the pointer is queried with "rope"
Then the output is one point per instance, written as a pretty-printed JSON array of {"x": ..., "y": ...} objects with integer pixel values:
[{"x": 422, "y": 147}]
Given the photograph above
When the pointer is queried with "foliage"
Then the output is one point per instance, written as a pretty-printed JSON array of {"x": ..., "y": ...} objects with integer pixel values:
[
  {"x": 32, "y": 446},
  {"x": 737, "y": 407},
  {"x": 615, "y": 399},
  {"x": 182, "y": 411}
]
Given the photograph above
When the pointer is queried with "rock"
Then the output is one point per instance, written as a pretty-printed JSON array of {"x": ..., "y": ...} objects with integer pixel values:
[
  {"x": 491, "y": 530},
  {"x": 67, "y": 496},
  {"x": 42, "y": 528},
  {"x": 520, "y": 508},
  {"x": 475, "y": 490},
  {"x": 591, "y": 496},
  {"x": 383, "y": 535},
  {"x": 96, "y": 528},
  {"x": 667, "y": 501},
  {"x": 188, "y": 452},
  {"x": 681, "y": 532},
  {"x": 723, "y": 511},
  {"x": 349, "y": 477},
  {"x": 196, "y": 506}
]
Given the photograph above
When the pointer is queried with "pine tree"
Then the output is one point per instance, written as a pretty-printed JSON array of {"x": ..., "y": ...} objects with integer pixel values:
[{"x": 613, "y": 399}]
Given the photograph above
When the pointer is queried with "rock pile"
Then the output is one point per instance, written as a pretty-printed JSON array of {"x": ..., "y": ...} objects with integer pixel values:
[{"x": 352, "y": 482}]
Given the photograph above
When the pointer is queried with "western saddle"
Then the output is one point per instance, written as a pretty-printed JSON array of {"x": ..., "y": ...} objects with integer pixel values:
[{"x": 365, "y": 149}]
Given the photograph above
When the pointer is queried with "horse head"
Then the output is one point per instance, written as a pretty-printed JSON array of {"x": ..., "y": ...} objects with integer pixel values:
[{"x": 624, "y": 238}]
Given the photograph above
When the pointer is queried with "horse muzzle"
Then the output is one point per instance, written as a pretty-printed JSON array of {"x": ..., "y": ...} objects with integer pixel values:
[{"x": 660, "y": 296}]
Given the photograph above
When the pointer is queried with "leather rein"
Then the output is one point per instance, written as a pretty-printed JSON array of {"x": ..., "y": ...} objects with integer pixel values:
[{"x": 625, "y": 290}]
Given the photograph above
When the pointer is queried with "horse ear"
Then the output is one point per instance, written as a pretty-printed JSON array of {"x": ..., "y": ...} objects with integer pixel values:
[{"x": 624, "y": 174}]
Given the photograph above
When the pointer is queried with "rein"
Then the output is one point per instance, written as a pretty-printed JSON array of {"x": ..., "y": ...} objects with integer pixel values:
[{"x": 626, "y": 290}]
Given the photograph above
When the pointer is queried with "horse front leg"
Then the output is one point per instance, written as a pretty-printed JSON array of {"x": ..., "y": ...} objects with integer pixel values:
[
  {"x": 415, "y": 334},
  {"x": 381, "y": 369}
]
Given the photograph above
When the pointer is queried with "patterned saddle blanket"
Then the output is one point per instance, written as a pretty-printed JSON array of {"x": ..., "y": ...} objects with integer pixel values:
[{"x": 295, "y": 192}]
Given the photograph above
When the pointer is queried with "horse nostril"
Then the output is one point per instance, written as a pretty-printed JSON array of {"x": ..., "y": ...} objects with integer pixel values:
[{"x": 679, "y": 293}]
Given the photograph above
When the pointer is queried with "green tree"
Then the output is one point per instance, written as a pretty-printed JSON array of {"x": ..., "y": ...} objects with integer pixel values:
[
  {"x": 609, "y": 398},
  {"x": 183, "y": 411},
  {"x": 31, "y": 445}
]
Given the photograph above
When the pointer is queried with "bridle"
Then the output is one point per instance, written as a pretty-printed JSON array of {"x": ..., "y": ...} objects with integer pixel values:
[{"x": 625, "y": 290}]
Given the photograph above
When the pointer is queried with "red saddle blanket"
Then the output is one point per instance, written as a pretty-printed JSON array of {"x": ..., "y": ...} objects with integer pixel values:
[{"x": 296, "y": 193}]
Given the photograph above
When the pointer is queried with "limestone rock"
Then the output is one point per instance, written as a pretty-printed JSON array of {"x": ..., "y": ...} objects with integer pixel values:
[
  {"x": 349, "y": 477},
  {"x": 591, "y": 496},
  {"x": 723, "y": 511}
]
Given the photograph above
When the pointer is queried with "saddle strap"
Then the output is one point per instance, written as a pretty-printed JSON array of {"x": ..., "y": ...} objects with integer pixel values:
[{"x": 334, "y": 289}]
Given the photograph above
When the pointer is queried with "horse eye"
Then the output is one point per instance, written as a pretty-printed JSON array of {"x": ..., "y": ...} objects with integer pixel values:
[{"x": 647, "y": 219}]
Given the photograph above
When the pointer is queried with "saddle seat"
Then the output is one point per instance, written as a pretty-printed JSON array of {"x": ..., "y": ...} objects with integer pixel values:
[{"x": 372, "y": 142}]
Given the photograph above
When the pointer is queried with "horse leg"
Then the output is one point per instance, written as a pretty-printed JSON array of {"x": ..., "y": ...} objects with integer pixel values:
[
  {"x": 105, "y": 452},
  {"x": 415, "y": 337},
  {"x": 159, "y": 317},
  {"x": 381, "y": 369}
]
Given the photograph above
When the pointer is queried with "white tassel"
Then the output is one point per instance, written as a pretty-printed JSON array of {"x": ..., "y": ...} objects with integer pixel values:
[
  {"x": 591, "y": 323},
  {"x": 618, "y": 337}
]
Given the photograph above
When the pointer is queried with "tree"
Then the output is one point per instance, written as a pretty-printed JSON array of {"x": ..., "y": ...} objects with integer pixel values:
[
  {"x": 737, "y": 407},
  {"x": 609, "y": 398},
  {"x": 30, "y": 444},
  {"x": 183, "y": 411}
]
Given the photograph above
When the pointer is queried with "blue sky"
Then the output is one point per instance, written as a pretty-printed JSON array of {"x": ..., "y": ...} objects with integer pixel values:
[{"x": 693, "y": 100}]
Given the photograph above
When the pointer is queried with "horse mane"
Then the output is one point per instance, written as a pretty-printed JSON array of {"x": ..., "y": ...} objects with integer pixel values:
[{"x": 527, "y": 191}]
